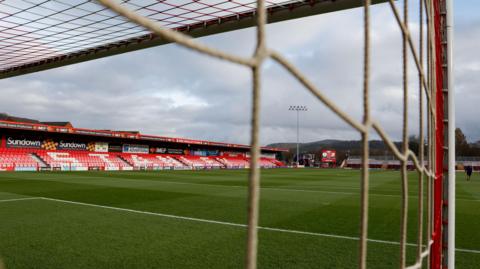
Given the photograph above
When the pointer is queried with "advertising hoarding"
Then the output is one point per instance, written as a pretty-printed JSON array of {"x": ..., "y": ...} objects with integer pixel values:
[
  {"x": 71, "y": 145},
  {"x": 101, "y": 147},
  {"x": 133, "y": 148},
  {"x": 175, "y": 151},
  {"x": 232, "y": 153},
  {"x": 158, "y": 150},
  {"x": 15, "y": 142},
  {"x": 114, "y": 148}
]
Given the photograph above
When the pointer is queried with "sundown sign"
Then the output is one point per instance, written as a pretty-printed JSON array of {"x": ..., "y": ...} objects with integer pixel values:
[
  {"x": 71, "y": 145},
  {"x": 23, "y": 143}
]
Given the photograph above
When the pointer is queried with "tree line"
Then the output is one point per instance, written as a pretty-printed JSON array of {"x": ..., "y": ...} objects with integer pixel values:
[
  {"x": 462, "y": 147},
  {"x": 347, "y": 148}
]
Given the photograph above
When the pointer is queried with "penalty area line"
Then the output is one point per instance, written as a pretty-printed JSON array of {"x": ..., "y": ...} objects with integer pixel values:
[{"x": 234, "y": 224}]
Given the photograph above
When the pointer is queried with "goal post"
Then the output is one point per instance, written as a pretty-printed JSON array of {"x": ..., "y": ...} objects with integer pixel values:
[
  {"x": 451, "y": 138},
  {"x": 443, "y": 248}
]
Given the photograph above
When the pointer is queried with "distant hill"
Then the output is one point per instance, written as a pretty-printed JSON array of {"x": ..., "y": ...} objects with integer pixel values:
[{"x": 353, "y": 146}]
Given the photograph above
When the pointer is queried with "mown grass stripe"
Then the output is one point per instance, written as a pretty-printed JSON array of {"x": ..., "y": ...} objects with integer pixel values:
[
  {"x": 234, "y": 224},
  {"x": 410, "y": 196}
]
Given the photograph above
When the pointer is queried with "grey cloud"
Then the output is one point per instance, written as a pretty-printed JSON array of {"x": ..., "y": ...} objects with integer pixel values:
[{"x": 172, "y": 91}]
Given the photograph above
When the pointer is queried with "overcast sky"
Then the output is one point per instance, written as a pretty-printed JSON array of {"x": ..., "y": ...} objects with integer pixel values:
[{"x": 171, "y": 91}]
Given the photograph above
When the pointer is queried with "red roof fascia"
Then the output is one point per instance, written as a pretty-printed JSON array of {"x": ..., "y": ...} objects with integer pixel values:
[{"x": 103, "y": 133}]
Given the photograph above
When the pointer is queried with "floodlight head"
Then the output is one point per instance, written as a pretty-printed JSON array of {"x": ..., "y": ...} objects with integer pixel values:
[{"x": 298, "y": 108}]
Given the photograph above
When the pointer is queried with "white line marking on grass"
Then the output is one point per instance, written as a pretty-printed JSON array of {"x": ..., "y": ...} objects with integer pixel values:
[
  {"x": 468, "y": 250},
  {"x": 19, "y": 199},
  {"x": 145, "y": 212},
  {"x": 265, "y": 188},
  {"x": 411, "y": 196},
  {"x": 237, "y": 224}
]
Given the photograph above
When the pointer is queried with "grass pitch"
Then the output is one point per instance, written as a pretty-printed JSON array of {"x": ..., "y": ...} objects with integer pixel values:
[{"x": 195, "y": 219}]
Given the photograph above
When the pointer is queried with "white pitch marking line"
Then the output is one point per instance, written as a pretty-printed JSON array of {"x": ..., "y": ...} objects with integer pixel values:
[
  {"x": 238, "y": 224},
  {"x": 411, "y": 196},
  {"x": 468, "y": 250},
  {"x": 19, "y": 199},
  {"x": 145, "y": 212}
]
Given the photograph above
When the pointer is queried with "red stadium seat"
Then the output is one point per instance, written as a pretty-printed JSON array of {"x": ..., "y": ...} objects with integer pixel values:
[
  {"x": 151, "y": 161},
  {"x": 17, "y": 158},
  {"x": 200, "y": 161},
  {"x": 85, "y": 160}
]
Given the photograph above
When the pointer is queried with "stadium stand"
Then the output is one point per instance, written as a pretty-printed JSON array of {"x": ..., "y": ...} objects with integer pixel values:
[
  {"x": 241, "y": 162},
  {"x": 200, "y": 162},
  {"x": 463, "y": 161},
  {"x": 267, "y": 163},
  {"x": 151, "y": 161},
  {"x": 389, "y": 162},
  {"x": 169, "y": 161},
  {"x": 27, "y": 144},
  {"x": 233, "y": 162},
  {"x": 80, "y": 160},
  {"x": 64, "y": 160},
  {"x": 273, "y": 162},
  {"x": 35, "y": 159},
  {"x": 377, "y": 162},
  {"x": 107, "y": 161},
  {"x": 17, "y": 159},
  {"x": 278, "y": 163}
]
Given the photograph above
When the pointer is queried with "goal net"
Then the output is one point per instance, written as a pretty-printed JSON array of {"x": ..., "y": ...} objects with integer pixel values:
[
  {"x": 426, "y": 59},
  {"x": 428, "y": 50}
]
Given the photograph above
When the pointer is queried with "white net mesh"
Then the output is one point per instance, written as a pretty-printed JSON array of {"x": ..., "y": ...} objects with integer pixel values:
[{"x": 365, "y": 127}]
